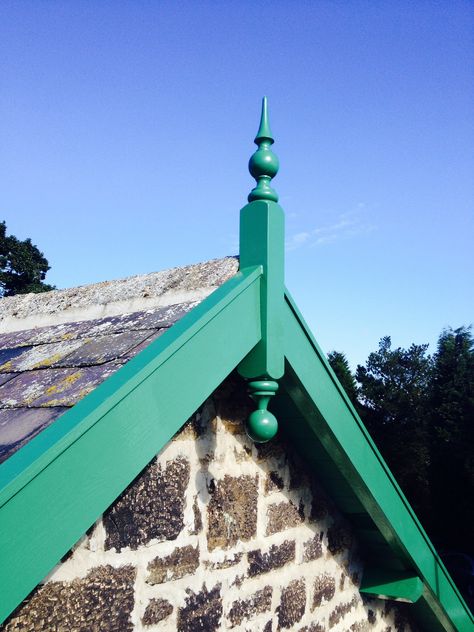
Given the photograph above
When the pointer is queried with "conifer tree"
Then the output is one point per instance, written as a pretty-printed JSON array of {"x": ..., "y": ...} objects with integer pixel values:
[
  {"x": 340, "y": 366},
  {"x": 452, "y": 418}
]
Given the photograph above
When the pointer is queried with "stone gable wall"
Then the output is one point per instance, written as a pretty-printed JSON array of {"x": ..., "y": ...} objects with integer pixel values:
[{"x": 217, "y": 533}]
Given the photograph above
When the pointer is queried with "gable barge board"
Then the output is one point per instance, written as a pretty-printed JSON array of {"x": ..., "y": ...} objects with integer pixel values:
[
  {"x": 54, "y": 488},
  {"x": 323, "y": 415}
]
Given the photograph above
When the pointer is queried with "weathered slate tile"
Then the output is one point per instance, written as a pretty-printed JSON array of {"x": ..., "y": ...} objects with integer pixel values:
[
  {"x": 20, "y": 425},
  {"x": 40, "y": 356},
  {"x": 131, "y": 353},
  {"x": 73, "y": 387},
  {"x": 26, "y": 387},
  {"x": 160, "y": 317},
  {"x": 15, "y": 339},
  {"x": 5, "y": 377},
  {"x": 8, "y": 356},
  {"x": 149, "y": 319},
  {"x": 61, "y": 332},
  {"x": 104, "y": 348},
  {"x": 53, "y": 387}
]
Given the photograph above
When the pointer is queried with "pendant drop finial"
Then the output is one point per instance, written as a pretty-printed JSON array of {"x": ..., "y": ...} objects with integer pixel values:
[
  {"x": 263, "y": 164},
  {"x": 262, "y": 425}
]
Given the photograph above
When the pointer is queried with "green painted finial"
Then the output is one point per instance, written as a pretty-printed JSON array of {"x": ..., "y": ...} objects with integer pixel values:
[
  {"x": 261, "y": 424},
  {"x": 263, "y": 165}
]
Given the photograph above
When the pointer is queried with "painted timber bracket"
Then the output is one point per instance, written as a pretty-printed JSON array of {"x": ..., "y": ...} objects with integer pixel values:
[{"x": 262, "y": 243}]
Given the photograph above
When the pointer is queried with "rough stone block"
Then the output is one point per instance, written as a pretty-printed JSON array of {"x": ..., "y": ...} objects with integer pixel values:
[
  {"x": 313, "y": 548},
  {"x": 197, "y": 517},
  {"x": 339, "y": 538},
  {"x": 156, "y": 611},
  {"x": 242, "y": 609},
  {"x": 340, "y": 611},
  {"x": 274, "y": 481},
  {"x": 324, "y": 589},
  {"x": 284, "y": 515},
  {"x": 202, "y": 612},
  {"x": 233, "y": 404},
  {"x": 313, "y": 627},
  {"x": 183, "y": 561},
  {"x": 276, "y": 557},
  {"x": 232, "y": 560},
  {"x": 292, "y": 604},
  {"x": 232, "y": 511},
  {"x": 101, "y": 602},
  {"x": 297, "y": 470},
  {"x": 319, "y": 504},
  {"x": 152, "y": 507}
]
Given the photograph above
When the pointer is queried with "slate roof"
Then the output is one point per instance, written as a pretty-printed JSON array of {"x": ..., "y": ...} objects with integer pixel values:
[{"x": 58, "y": 346}]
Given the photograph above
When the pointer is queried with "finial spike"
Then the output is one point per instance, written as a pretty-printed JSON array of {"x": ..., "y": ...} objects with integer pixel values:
[
  {"x": 264, "y": 131},
  {"x": 263, "y": 165}
]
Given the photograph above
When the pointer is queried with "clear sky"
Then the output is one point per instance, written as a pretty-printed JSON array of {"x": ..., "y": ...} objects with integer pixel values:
[{"x": 126, "y": 127}]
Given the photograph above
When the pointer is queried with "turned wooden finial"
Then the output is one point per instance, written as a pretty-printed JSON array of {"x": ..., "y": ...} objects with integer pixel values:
[{"x": 263, "y": 164}]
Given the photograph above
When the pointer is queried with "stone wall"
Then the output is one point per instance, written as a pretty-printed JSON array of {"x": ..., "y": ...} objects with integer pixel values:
[{"x": 217, "y": 533}]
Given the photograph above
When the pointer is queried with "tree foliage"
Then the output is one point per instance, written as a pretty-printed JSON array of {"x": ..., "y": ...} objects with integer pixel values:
[
  {"x": 452, "y": 420},
  {"x": 419, "y": 410},
  {"x": 394, "y": 393},
  {"x": 23, "y": 267},
  {"x": 340, "y": 366}
]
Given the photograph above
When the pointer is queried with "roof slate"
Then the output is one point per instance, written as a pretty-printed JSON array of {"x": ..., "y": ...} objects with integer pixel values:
[{"x": 46, "y": 370}]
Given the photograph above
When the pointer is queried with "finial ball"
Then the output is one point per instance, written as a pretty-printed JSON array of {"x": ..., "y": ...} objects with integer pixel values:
[
  {"x": 261, "y": 426},
  {"x": 263, "y": 163}
]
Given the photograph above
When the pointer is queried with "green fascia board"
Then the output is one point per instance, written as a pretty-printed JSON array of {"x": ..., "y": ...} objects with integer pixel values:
[
  {"x": 332, "y": 421},
  {"x": 385, "y": 584},
  {"x": 54, "y": 488}
]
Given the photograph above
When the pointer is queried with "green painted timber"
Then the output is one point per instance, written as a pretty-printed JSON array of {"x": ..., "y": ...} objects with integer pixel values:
[
  {"x": 321, "y": 415},
  {"x": 54, "y": 488},
  {"x": 262, "y": 242},
  {"x": 383, "y": 584}
]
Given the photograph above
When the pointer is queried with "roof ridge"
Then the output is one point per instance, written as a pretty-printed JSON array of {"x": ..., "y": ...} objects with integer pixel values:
[{"x": 110, "y": 298}]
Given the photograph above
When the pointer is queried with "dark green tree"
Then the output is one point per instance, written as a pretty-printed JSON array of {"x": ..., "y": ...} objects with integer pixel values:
[
  {"x": 394, "y": 394},
  {"x": 452, "y": 414},
  {"x": 22, "y": 266},
  {"x": 340, "y": 366}
]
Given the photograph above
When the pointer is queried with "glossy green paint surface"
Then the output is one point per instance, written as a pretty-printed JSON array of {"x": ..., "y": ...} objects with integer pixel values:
[
  {"x": 319, "y": 417},
  {"x": 262, "y": 237},
  {"x": 263, "y": 164},
  {"x": 262, "y": 425},
  {"x": 54, "y": 488},
  {"x": 262, "y": 242},
  {"x": 391, "y": 585}
]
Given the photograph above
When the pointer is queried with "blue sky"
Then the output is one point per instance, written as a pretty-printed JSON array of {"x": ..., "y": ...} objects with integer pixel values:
[{"x": 126, "y": 129}]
